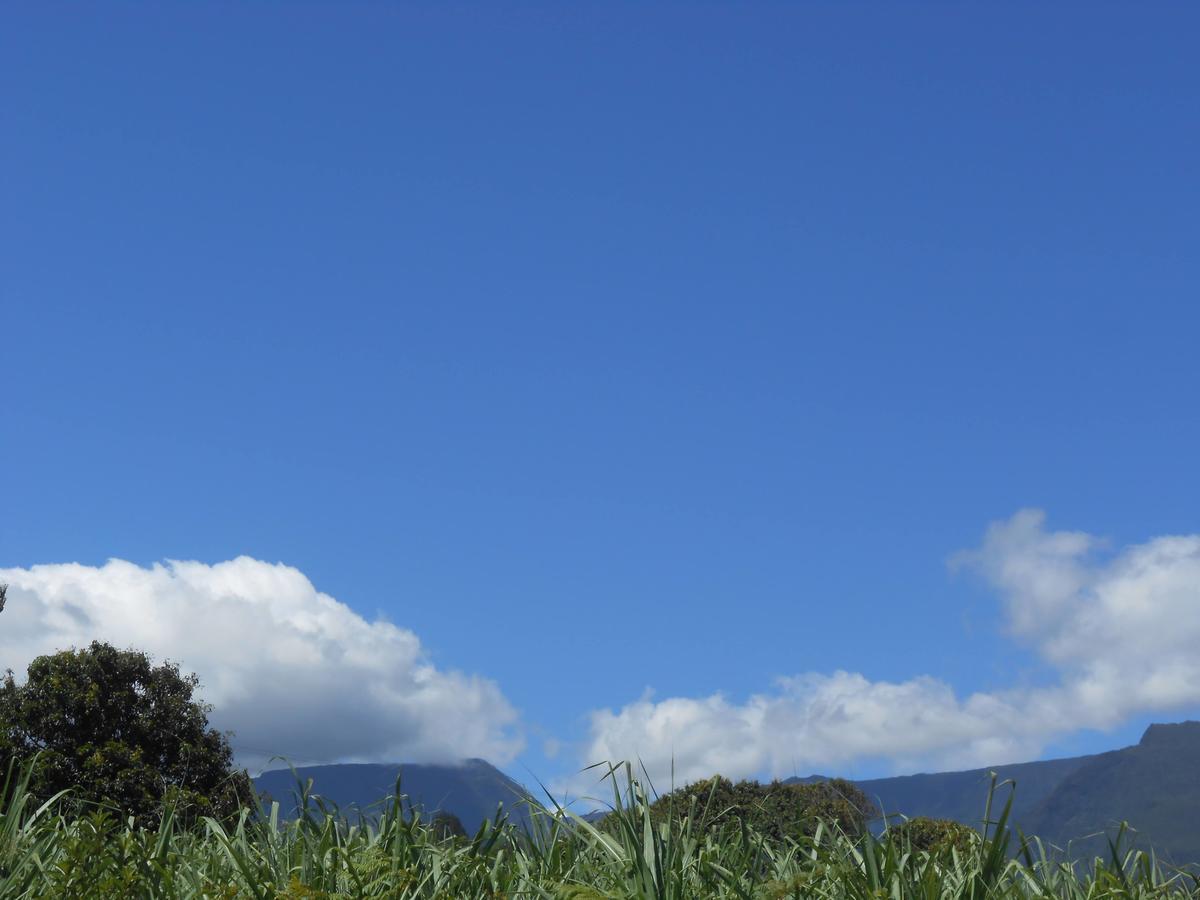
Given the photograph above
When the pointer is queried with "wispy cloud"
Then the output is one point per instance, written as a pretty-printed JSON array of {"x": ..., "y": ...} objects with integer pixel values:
[
  {"x": 291, "y": 670},
  {"x": 1119, "y": 628}
]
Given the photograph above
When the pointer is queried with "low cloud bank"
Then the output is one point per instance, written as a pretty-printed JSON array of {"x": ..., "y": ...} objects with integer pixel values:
[
  {"x": 1120, "y": 629},
  {"x": 291, "y": 670},
  {"x": 295, "y": 672}
]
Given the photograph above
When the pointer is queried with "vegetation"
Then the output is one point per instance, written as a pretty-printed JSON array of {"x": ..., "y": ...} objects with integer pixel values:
[
  {"x": 446, "y": 825},
  {"x": 774, "y": 810},
  {"x": 106, "y": 726},
  {"x": 934, "y": 835},
  {"x": 57, "y": 851},
  {"x": 114, "y": 786}
]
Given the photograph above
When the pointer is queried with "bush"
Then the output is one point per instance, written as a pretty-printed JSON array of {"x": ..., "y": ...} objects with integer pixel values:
[
  {"x": 923, "y": 833},
  {"x": 775, "y": 810},
  {"x": 446, "y": 825}
]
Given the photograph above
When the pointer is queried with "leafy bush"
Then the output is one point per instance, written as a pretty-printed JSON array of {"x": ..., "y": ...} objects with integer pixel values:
[
  {"x": 447, "y": 825},
  {"x": 775, "y": 810},
  {"x": 933, "y": 835}
]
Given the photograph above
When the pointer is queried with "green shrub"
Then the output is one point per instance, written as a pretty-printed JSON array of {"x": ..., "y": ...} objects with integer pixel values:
[
  {"x": 446, "y": 825},
  {"x": 775, "y": 810},
  {"x": 933, "y": 835}
]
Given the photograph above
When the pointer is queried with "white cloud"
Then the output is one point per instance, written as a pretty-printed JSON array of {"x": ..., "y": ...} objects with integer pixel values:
[
  {"x": 291, "y": 670},
  {"x": 1121, "y": 630}
]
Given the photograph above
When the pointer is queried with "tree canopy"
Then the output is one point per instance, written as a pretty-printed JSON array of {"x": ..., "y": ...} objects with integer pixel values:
[
  {"x": 110, "y": 727},
  {"x": 446, "y": 825},
  {"x": 776, "y": 809},
  {"x": 923, "y": 833}
]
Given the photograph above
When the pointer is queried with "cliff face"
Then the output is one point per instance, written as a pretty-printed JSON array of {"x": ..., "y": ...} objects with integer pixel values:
[
  {"x": 471, "y": 789},
  {"x": 1077, "y": 804},
  {"x": 1178, "y": 735},
  {"x": 1154, "y": 786},
  {"x": 962, "y": 796}
]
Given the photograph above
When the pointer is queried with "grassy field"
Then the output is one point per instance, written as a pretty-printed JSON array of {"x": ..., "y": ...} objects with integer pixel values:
[{"x": 57, "y": 850}]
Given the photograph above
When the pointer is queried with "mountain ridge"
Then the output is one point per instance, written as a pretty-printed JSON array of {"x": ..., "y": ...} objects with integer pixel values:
[
  {"x": 1074, "y": 803},
  {"x": 471, "y": 789},
  {"x": 1153, "y": 785}
]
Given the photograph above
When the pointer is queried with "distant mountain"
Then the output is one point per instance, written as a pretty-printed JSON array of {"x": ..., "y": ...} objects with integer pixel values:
[
  {"x": 471, "y": 790},
  {"x": 1154, "y": 785},
  {"x": 963, "y": 795}
]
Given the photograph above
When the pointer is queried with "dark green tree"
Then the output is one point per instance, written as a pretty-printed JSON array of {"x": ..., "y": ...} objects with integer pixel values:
[
  {"x": 447, "y": 825},
  {"x": 931, "y": 835},
  {"x": 109, "y": 727},
  {"x": 776, "y": 810}
]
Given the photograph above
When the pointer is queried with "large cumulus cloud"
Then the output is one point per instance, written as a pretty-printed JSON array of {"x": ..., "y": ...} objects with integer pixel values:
[
  {"x": 289, "y": 669},
  {"x": 1119, "y": 629}
]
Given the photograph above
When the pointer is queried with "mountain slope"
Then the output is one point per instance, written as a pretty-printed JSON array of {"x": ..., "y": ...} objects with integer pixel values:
[
  {"x": 963, "y": 795},
  {"x": 1081, "y": 801},
  {"x": 1154, "y": 785},
  {"x": 471, "y": 790}
]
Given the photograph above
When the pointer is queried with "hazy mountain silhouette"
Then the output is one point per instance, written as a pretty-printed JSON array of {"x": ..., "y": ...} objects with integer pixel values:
[
  {"x": 1075, "y": 803},
  {"x": 1153, "y": 785},
  {"x": 963, "y": 795},
  {"x": 471, "y": 790}
]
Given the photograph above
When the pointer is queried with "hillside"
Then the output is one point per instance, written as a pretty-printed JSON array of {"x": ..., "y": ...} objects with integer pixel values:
[
  {"x": 471, "y": 790},
  {"x": 962, "y": 795},
  {"x": 1154, "y": 785}
]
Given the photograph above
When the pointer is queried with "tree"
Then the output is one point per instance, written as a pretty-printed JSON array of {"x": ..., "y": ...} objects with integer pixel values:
[
  {"x": 446, "y": 825},
  {"x": 110, "y": 727},
  {"x": 923, "y": 833},
  {"x": 776, "y": 810}
]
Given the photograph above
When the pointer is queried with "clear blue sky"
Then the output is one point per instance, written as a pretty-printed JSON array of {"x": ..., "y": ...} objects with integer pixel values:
[{"x": 604, "y": 346}]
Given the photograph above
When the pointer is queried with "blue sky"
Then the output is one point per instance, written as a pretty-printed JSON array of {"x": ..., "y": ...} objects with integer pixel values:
[{"x": 607, "y": 347}]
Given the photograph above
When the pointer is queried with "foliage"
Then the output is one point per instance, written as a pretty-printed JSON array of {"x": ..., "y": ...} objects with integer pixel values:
[
  {"x": 775, "y": 810},
  {"x": 111, "y": 728},
  {"x": 923, "y": 833},
  {"x": 446, "y": 825},
  {"x": 53, "y": 852}
]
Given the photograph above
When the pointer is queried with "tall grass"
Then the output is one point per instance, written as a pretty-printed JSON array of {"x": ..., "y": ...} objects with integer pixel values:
[{"x": 57, "y": 849}]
